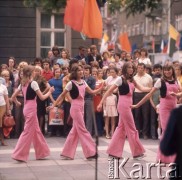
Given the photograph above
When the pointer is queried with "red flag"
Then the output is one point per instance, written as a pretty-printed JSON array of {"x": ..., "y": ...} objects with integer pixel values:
[
  {"x": 74, "y": 14},
  {"x": 178, "y": 41},
  {"x": 153, "y": 44},
  {"x": 92, "y": 21},
  {"x": 124, "y": 42},
  {"x": 165, "y": 48}
]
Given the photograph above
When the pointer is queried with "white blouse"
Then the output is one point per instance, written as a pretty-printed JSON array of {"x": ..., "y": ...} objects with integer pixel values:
[{"x": 3, "y": 91}]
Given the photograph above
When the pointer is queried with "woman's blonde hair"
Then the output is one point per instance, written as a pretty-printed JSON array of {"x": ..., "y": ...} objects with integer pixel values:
[
  {"x": 38, "y": 68},
  {"x": 27, "y": 74},
  {"x": 5, "y": 73},
  {"x": 22, "y": 64}
]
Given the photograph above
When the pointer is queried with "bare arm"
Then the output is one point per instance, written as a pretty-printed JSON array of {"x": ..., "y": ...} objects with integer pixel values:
[
  {"x": 142, "y": 88},
  {"x": 44, "y": 96},
  {"x": 152, "y": 103},
  {"x": 68, "y": 97},
  {"x": 14, "y": 99},
  {"x": 51, "y": 98},
  {"x": 108, "y": 92},
  {"x": 60, "y": 98},
  {"x": 7, "y": 104},
  {"x": 91, "y": 91},
  {"x": 179, "y": 93},
  {"x": 47, "y": 88},
  {"x": 148, "y": 96}
]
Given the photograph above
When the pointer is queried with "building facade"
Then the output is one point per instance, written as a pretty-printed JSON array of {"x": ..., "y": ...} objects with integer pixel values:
[
  {"x": 149, "y": 29},
  {"x": 26, "y": 33}
]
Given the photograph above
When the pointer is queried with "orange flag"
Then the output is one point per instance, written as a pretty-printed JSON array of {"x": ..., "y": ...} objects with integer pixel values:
[
  {"x": 74, "y": 14},
  {"x": 92, "y": 21},
  {"x": 124, "y": 42}
]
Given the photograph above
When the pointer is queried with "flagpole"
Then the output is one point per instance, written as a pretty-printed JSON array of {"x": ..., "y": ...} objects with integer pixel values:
[{"x": 169, "y": 21}]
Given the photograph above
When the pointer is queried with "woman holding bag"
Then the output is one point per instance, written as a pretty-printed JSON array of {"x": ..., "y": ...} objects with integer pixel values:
[{"x": 77, "y": 88}]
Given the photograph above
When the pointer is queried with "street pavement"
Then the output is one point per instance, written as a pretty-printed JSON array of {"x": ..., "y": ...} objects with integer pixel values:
[{"x": 54, "y": 168}]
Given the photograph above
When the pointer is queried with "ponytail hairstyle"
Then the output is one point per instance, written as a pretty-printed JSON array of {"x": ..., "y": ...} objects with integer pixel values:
[{"x": 27, "y": 74}]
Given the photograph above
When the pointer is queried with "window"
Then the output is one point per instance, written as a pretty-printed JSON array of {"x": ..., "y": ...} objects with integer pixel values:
[
  {"x": 157, "y": 27},
  {"x": 129, "y": 30},
  {"x": 142, "y": 28},
  {"x": 133, "y": 30},
  {"x": 137, "y": 29},
  {"x": 51, "y": 31}
]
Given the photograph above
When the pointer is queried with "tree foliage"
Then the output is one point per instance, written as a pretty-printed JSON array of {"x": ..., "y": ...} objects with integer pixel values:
[
  {"x": 47, "y": 5},
  {"x": 132, "y": 6}
]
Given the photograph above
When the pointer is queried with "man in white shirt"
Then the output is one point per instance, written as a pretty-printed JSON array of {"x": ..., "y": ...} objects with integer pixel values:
[{"x": 142, "y": 114}]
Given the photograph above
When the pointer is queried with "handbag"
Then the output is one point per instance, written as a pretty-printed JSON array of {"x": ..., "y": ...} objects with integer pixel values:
[
  {"x": 8, "y": 121},
  {"x": 56, "y": 116}
]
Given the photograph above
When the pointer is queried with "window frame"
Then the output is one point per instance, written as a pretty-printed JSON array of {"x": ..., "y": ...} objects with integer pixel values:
[{"x": 66, "y": 30}]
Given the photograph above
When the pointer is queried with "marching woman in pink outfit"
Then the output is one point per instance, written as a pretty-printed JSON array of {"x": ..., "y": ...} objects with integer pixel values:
[
  {"x": 31, "y": 132},
  {"x": 126, "y": 125},
  {"x": 77, "y": 87},
  {"x": 168, "y": 86}
]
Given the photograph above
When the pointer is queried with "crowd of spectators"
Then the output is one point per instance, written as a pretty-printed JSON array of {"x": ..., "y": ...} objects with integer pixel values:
[{"x": 98, "y": 69}]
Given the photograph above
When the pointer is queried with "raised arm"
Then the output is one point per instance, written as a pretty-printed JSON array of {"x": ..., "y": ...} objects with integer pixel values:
[
  {"x": 47, "y": 88},
  {"x": 44, "y": 96}
]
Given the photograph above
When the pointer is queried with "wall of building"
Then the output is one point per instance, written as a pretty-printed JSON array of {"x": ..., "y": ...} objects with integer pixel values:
[
  {"x": 130, "y": 23},
  {"x": 17, "y": 30},
  {"x": 77, "y": 41},
  {"x": 175, "y": 10}
]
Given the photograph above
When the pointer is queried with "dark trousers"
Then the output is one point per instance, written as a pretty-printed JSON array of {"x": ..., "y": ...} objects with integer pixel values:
[
  {"x": 89, "y": 115},
  {"x": 100, "y": 122},
  {"x": 19, "y": 117},
  {"x": 142, "y": 114},
  {"x": 153, "y": 122},
  {"x": 67, "y": 127}
]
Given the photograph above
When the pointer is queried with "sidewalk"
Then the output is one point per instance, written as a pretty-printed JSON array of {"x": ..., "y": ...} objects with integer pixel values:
[{"x": 53, "y": 168}]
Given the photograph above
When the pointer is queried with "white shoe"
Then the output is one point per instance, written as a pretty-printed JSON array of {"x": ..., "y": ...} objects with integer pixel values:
[
  {"x": 65, "y": 158},
  {"x": 139, "y": 157}
]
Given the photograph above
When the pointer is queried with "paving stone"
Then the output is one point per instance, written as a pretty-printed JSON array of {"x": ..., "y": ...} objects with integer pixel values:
[{"x": 53, "y": 168}]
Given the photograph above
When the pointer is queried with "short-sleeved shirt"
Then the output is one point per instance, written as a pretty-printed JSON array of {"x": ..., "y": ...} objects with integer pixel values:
[
  {"x": 58, "y": 86},
  {"x": 3, "y": 91},
  {"x": 34, "y": 86},
  {"x": 158, "y": 84},
  {"x": 69, "y": 85},
  {"x": 47, "y": 75},
  {"x": 110, "y": 80},
  {"x": 145, "y": 81},
  {"x": 63, "y": 62},
  {"x": 119, "y": 82},
  {"x": 145, "y": 61}
]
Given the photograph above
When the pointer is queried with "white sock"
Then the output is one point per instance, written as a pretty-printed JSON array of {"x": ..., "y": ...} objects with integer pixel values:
[{"x": 159, "y": 132}]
